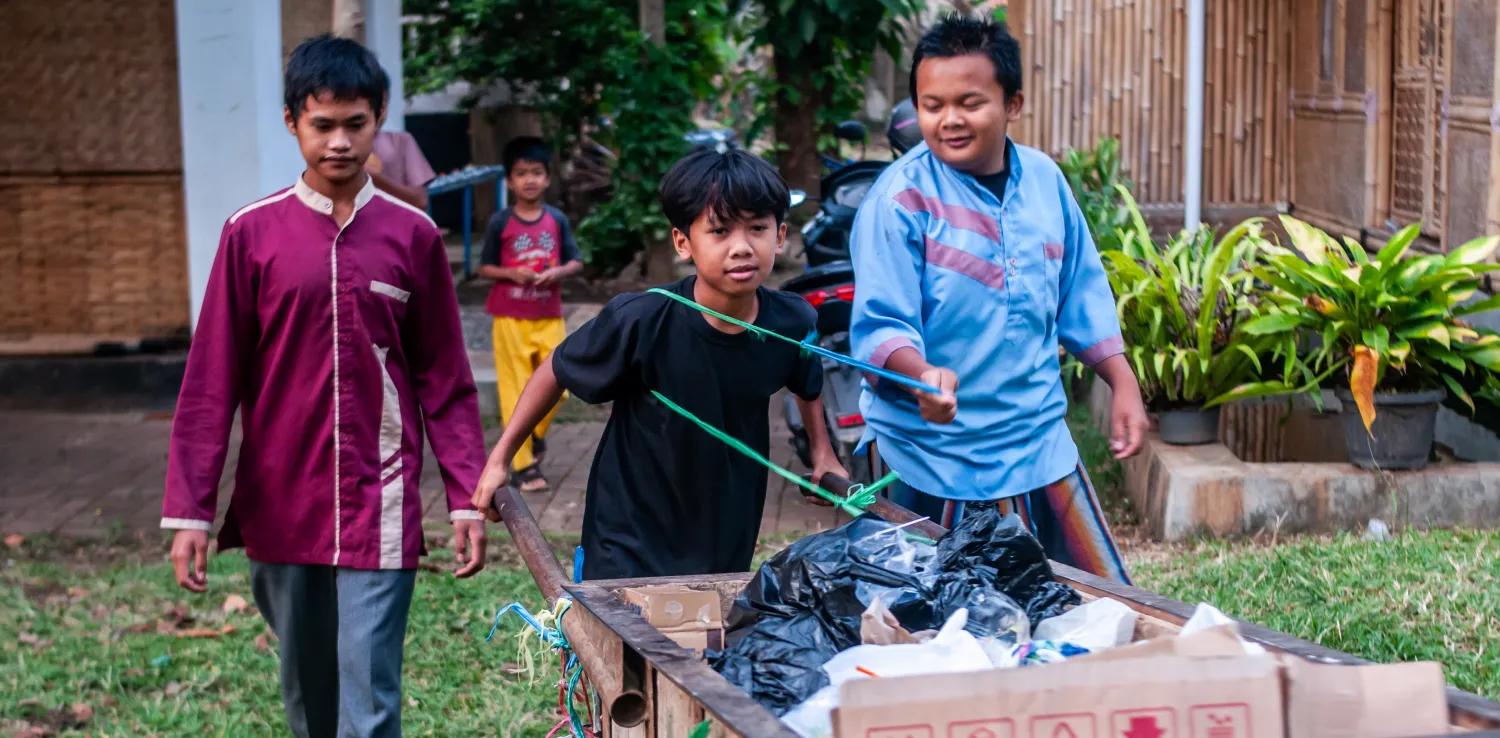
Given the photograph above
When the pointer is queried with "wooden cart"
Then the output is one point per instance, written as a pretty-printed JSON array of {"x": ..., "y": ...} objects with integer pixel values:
[
  {"x": 681, "y": 690},
  {"x": 654, "y": 688}
]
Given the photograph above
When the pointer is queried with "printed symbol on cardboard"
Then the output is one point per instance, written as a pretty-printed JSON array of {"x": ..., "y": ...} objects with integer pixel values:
[
  {"x": 1076, "y": 725},
  {"x": 1221, "y": 721},
  {"x": 982, "y": 729},
  {"x": 1155, "y": 722},
  {"x": 904, "y": 731}
]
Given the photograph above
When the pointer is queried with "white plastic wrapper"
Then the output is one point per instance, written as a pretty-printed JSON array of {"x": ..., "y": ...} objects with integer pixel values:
[
  {"x": 952, "y": 650},
  {"x": 1098, "y": 625},
  {"x": 1207, "y": 616}
]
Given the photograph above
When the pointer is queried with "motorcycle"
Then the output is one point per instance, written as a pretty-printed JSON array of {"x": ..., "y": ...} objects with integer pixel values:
[{"x": 828, "y": 285}]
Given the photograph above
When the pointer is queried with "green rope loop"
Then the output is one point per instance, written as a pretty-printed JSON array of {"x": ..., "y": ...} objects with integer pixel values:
[{"x": 860, "y": 496}]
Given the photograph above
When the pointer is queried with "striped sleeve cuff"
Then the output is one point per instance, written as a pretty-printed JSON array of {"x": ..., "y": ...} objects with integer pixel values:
[
  {"x": 1102, "y": 350},
  {"x": 186, "y": 524},
  {"x": 458, "y": 515},
  {"x": 883, "y": 353}
]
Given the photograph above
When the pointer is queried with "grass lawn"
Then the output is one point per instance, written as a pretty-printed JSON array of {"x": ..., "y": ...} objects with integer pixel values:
[
  {"x": 1432, "y": 596},
  {"x": 92, "y": 635},
  {"x": 79, "y": 635},
  {"x": 1424, "y": 596}
]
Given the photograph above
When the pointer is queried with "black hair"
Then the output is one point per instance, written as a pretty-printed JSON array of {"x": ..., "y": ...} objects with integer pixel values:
[
  {"x": 735, "y": 185},
  {"x": 526, "y": 148},
  {"x": 338, "y": 66},
  {"x": 959, "y": 35}
]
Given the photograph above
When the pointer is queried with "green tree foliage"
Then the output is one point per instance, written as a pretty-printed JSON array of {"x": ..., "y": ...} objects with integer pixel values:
[{"x": 822, "y": 50}]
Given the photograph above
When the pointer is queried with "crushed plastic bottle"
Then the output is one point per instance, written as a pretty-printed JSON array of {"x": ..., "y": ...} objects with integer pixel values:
[{"x": 1377, "y": 531}]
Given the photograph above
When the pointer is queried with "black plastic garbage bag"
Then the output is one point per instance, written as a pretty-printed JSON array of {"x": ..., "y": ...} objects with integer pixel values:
[
  {"x": 835, "y": 576},
  {"x": 1004, "y": 553},
  {"x": 804, "y": 605},
  {"x": 779, "y": 663}
]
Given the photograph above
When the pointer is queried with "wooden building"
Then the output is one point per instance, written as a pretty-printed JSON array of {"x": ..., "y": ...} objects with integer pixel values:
[
  {"x": 129, "y": 131},
  {"x": 1361, "y": 116}
]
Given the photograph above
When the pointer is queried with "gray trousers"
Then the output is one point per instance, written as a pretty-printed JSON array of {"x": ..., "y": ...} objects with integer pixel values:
[{"x": 341, "y": 633}]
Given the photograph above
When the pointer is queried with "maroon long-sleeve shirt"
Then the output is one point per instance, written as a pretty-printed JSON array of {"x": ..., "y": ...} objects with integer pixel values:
[{"x": 338, "y": 346}]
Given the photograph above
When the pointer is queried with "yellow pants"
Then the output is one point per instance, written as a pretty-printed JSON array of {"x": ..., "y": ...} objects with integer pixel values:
[{"x": 520, "y": 347}]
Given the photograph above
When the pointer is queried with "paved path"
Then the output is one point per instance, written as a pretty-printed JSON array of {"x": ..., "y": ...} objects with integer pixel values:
[{"x": 90, "y": 475}]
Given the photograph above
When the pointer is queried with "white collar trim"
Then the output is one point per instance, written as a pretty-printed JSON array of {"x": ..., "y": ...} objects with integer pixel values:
[{"x": 323, "y": 204}]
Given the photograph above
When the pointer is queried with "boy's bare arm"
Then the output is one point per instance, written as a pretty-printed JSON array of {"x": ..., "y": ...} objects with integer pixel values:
[
  {"x": 507, "y": 274},
  {"x": 414, "y": 196},
  {"x": 541, "y": 394},
  {"x": 558, "y": 273},
  {"x": 935, "y": 408},
  {"x": 824, "y": 460}
]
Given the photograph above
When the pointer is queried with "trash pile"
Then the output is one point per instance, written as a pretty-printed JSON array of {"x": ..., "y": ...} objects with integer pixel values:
[{"x": 865, "y": 599}]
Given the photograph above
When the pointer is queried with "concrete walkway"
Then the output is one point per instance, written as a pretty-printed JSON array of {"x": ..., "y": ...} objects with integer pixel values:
[
  {"x": 92, "y": 475},
  {"x": 88, "y": 475}
]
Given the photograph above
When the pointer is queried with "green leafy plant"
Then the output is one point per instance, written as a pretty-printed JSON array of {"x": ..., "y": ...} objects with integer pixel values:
[
  {"x": 821, "y": 56},
  {"x": 653, "y": 112},
  {"x": 1183, "y": 311},
  {"x": 587, "y": 68},
  {"x": 1391, "y": 320},
  {"x": 1094, "y": 176}
]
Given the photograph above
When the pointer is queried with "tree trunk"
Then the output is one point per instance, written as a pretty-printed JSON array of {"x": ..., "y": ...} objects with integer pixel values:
[
  {"x": 797, "y": 127},
  {"x": 661, "y": 260}
]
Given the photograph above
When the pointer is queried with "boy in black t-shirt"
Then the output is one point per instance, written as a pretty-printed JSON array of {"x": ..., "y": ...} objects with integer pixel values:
[{"x": 664, "y": 497}]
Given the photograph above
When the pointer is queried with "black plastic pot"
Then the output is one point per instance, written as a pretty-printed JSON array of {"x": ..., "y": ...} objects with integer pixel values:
[
  {"x": 1191, "y": 426},
  {"x": 1401, "y": 436}
]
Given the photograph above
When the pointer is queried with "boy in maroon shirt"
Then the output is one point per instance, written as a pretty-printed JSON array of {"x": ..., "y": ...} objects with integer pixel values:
[
  {"x": 528, "y": 250},
  {"x": 330, "y": 323}
]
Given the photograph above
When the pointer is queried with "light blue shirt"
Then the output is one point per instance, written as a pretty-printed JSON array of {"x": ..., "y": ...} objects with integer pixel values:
[{"x": 988, "y": 289}]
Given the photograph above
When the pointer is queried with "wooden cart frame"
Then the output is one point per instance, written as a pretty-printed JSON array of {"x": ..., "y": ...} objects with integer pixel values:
[{"x": 681, "y": 690}]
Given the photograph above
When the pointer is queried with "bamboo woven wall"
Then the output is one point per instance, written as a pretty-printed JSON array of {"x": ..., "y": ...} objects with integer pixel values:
[
  {"x": 92, "y": 237},
  {"x": 1117, "y": 68},
  {"x": 95, "y": 256}
]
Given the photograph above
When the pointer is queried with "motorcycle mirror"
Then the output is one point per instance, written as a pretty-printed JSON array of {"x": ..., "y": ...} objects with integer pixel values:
[
  {"x": 798, "y": 197},
  {"x": 851, "y": 130}
]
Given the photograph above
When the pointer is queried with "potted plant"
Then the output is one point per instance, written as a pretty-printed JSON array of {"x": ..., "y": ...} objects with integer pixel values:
[
  {"x": 1182, "y": 313},
  {"x": 1389, "y": 325}
]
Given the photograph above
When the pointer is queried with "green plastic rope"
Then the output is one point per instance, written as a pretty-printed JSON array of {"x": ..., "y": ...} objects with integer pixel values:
[
  {"x": 807, "y": 345},
  {"x": 860, "y": 496}
]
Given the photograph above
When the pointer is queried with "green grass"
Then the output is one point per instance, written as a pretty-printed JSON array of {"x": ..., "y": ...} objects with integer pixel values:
[
  {"x": 1423, "y": 596},
  {"x": 62, "y": 642}
]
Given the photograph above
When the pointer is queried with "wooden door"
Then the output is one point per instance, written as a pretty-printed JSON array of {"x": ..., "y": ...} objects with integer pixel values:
[{"x": 1418, "y": 134}]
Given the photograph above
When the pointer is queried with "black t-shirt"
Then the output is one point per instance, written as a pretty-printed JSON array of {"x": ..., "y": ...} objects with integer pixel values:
[
  {"x": 665, "y": 497},
  {"x": 996, "y": 182}
]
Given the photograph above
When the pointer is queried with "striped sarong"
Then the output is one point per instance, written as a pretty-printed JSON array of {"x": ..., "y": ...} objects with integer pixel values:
[{"x": 1065, "y": 517}]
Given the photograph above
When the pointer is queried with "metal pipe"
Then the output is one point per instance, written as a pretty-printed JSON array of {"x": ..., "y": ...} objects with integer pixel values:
[
  {"x": 623, "y": 700},
  {"x": 1192, "y": 207}
]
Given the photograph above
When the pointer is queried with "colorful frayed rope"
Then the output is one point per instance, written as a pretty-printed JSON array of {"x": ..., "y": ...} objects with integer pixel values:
[{"x": 552, "y": 637}]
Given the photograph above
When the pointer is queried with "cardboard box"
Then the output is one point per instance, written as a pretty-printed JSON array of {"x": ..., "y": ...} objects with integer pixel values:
[
  {"x": 1198, "y": 686},
  {"x": 692, "y": 619},
  {"x": 675, "y": 607},
  {"x": 697, "y": 640},
  {"x": 1221, "y": 641},
  {"x": 1376, "y": 701},
  {"x": 1160, "y": 697}
]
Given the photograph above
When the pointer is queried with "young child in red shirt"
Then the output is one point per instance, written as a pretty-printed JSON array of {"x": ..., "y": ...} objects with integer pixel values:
[{"x": 528, "y": 250}]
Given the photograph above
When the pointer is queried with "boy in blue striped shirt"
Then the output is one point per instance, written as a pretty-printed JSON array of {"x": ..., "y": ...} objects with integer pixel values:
[{"x": 974, "y": 263}]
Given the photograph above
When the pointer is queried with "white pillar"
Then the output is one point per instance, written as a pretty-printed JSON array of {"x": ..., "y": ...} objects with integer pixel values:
[
  {"x": 1192, "y": 178},
  {"x": 383, "y": 36},
  {"x": 235, "y": 146}
]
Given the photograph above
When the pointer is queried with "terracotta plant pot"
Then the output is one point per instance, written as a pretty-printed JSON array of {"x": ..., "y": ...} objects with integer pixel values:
[
  {"x": 1405, "y": 425},
  {"x": 1191, "y": 426}
]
